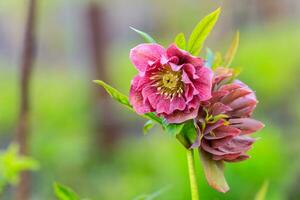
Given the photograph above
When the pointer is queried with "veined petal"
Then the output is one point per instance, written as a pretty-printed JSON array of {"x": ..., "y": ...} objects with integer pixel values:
[
  {"x": 204, "y": 83},
  {"x": 246, "y": 125},
  {"x": 144, "y": 54}
]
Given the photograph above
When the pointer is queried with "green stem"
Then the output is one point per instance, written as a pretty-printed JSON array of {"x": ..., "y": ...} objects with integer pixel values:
[{"x": 192, "y": 174}]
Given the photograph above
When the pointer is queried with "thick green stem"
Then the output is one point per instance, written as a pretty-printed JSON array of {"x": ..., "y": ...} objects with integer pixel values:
[{"x": 192, "y": 174}]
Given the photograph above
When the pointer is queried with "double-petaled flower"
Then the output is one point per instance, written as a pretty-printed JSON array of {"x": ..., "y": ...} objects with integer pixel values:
[
  {"x": 171, "y": 82},
  {"x": 224, "y": 121}
]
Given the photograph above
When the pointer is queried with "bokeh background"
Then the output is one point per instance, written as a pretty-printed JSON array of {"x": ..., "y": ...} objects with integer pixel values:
[{"x": 87, "y": 141}]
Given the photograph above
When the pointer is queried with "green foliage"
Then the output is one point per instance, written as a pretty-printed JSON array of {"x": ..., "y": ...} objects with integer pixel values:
[
  {"x": 201, "y": 32},
  {"x": 232, "y": 50},
  {"x": 172, "y": 129},
  {"x": 123, "y": 99},
  {"x": 147, "y": 126},
  {"x": 144, "y": 35},
  {"x": 115, "y": 94},
  {"x": 262, "y": 193},
  {"x": 12, "y": 164},
  {"x": 214, "y": 172},
  {"x": 153, "y": 195},
  {"x": 64, "y": 193},
  {"x": 180, "y": 41}
]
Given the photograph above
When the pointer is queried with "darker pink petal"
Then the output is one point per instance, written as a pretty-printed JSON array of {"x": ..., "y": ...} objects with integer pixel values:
[
  {"x": 225, "y": 138},
  {"x": 179, "y": 117},
  {"x": 246, "y": 125}
]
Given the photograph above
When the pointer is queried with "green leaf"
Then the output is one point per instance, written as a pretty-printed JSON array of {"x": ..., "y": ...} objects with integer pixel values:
[
  {"x": 123, "y": 99},
  {"x": 64, "y": 193},
  {"x": 187, "y": 134},
  {"x": 172, "y": 129},
  {"x": 147, "y": 126},
  {"x": 232, "y": 50},
  {"x": 180, "y": 41},
  {"x": 153, "y": 117},
  {"x": 201, "y": 32},
  {"x": 262, "y": 193},
  {"x": 144, "y": 35},
  {"x": 153, "y": 195},
  {"x": 12, "y": 164},
  {"x": 214, "y": 172},
  {"x": 115, "y": 94}
]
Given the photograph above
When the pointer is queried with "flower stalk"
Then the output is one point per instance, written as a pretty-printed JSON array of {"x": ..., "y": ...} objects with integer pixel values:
[{"x": 192, "y": 175}]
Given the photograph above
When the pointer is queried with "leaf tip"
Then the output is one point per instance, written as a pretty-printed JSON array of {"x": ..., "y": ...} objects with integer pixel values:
[
  {"x": 134, "y": 29},
  {"x": 219, "y": 10},
  {"x": 99, "y": 82}
]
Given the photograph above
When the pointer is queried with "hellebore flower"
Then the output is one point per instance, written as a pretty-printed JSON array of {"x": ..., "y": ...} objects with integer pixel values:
[
  {"x": 171, "y": 82},
  {"x": 224, "y": 121}
]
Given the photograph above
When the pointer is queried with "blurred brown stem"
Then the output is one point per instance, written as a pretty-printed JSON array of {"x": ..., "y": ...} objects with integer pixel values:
[
  {"x": 27, "y": 60},
  {"x": 107, "y": 131}
]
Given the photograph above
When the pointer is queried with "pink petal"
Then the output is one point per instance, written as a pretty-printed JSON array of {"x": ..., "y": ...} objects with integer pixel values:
[
  {"x": 183, "y": 56},
  {"x": 246, "y": 125},
  {"x": 144, "y": 54},
  {"x": 242, "y": 102},
  {"x": 238, "y": 159},
  {"x": 222, "y": 131},
  {"x": 204, "y": 83},
  {"x": 181, "y": 116},
  {"x": 211, "y": 127},
  {"x": 137, "y": 101},
  {"x": 163, "y": 106},
  {"x": 237, "y": 144},
  {"x": 219, "y": 108},
  {"x": 177, "y": 103},
  {"x": 240, "y": 92},
  {"x": 206, "y": 147},
  {"x": 231, "y": 157},
  {"x": 230, "y": 87}
]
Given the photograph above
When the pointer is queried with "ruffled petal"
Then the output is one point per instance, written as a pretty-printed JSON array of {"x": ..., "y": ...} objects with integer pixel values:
[
  {"x": 204, "y": 83},
  {"x": 181, "y": 116},
  {"x": 137, "y": 101},
  {"x": 143, "y": 55}
]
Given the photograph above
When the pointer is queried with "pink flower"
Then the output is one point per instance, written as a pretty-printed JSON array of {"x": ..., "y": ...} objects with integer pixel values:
[
  {"x": 171, "y": 82},
  {"x": 227, "y": 119}
]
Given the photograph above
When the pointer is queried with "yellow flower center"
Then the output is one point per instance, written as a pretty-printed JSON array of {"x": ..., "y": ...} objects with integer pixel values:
[{"x": 168, "y": 82}]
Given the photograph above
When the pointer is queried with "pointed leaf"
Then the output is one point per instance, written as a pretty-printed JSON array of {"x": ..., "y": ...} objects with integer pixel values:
[
  {"x": 262, "y": 193},
  {"x": 144, "y": 35},
  {"x": 180, "y": 41},
  {"x": 214, "y": 172},
  {"x": 123, "y": 99},
  {"x": 115, "y": 94},
  {"x": 232, "y": 50},
  {"x": 201, "y": 32},
  {"x": 147, "y": 126},
  {"x": 64, "y": 193}
]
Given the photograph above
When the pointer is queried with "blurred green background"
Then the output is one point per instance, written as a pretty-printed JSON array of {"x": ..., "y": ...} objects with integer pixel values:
[{"x": 86, "y": 141}]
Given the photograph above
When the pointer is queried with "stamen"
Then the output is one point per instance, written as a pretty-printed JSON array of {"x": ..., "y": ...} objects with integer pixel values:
[{"x": 167, "y": 82}]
